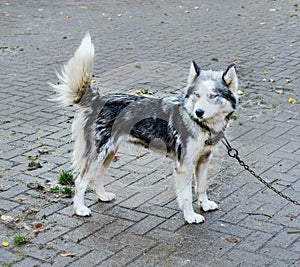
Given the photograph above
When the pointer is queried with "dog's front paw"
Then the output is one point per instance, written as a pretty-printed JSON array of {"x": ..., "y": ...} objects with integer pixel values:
[
  {"x": 194, "y": 218},
  {"x": 208, "y": 205},
  {"x": 83, "y": 211},
  {"x": 107, "y": 196}
]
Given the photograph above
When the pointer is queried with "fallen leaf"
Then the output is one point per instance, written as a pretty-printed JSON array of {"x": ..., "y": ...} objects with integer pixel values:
[
  {"x": 231, "y": 240},
  {"x": 6, "y": 218},
  {"x": 240, "y": 92},
  {"x": 292, "y": 219},
  {"x": 258, "y": 223},
  {"x": 280, "y": 91},
  {"x": 39, "y": 225},
  {"x": 265, "y": 72},
  {"x": 93, "y": 81},
  {"x": 119, "y": 15},
  {"x": 292, "y": 101},
  {"x": 211, "y": 168},
  {"x": 5, "y": 244},
  {"x": 67, "y": 254},
  {"x": 67, "y": 17},
  {"x": 36, "y": 231},
  {"x": 21, "y": 199}
]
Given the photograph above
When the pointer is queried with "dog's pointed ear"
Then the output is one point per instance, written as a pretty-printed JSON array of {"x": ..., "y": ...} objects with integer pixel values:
[
  {"x": 194, "y": 73},
  {"x": 230, "y": 77}
]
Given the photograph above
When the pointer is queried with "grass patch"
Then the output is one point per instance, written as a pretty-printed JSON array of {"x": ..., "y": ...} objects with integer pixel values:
[
  {"x": 68, "y": 191},
  {"x": 66, "y": 178},
  {"x": 20, "y": 240},
  {"x": 233, "y": 117}
]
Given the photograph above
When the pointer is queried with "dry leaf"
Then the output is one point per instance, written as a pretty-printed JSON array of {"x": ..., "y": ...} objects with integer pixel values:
[
  {"x": 21, "y": 199},
  {"x": 280, "y": 91},
  {"x": 6, "y": 218},
  {"x": 259, "y": 223},
  {"x": 67, "y": 254},
  {"x": 5, "y": 244},
  {"x": 272, "y": 80},
  {"x": 67, "y": 17},
  {"x": 265, "y": 72},
  {"x": 93, "y": 81},
  {"x": 231, "y": 240},
  {"x": 292, "y": 219},
  {"x": 292, "y": 101},
  {"x": 240, "y": 92}
]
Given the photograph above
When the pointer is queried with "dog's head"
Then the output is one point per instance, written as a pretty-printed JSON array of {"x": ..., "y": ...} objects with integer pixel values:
[{"x": 211, "y": 95}]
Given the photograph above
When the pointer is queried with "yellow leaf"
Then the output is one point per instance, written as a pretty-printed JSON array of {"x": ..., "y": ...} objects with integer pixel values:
[
  {"x": 292, "y": 101},
  {"x": 232, "y": 240},
  {"x": 119, "y": 15},
  {"x": 240, "y": 92},
  {"x": 67, "y": 17},
  {"x": 93, "y": 81},
  {"x": 259, "y": 223},
  {"x": 5, "y": 244},
  {"x": 67, "y": 254},
  {"x": 265, "y": 72},
  {"x": 6, "y": 218}
]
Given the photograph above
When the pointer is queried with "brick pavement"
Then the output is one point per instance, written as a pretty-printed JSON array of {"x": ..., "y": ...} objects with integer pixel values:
[{"x": 148, "y": 45}]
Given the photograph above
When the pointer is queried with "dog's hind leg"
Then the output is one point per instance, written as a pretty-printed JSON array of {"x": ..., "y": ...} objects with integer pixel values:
[
  {"x": 183, "y": 182},
  {"x": 81, "y": 184},
  {"x": 99, "y": 180},
  {"x": 201, "y": 183}
]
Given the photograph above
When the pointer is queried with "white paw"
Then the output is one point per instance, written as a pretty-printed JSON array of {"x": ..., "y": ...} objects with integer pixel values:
[
  {"x": 83, "y": 211},
  {"x": 106, "y": 197},
  {"x": 208, "y": 205},
  {"x": 194, "y": 218}
]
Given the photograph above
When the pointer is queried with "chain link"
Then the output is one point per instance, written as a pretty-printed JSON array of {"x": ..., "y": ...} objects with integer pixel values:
[{"x": 233, "y": 153}]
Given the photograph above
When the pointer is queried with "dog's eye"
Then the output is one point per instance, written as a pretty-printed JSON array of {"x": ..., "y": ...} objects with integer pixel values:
[
  {"x": 196, "y": 94},
  {"x": 213, "y": 96}
]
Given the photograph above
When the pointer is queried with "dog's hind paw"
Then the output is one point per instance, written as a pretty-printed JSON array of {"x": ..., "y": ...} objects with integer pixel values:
[
  {"x": 106, "y": 197},
  {"x": 208, "y": 205},
  {"x": 83, "y": 211},
  {"x": 194, "y": 218}
]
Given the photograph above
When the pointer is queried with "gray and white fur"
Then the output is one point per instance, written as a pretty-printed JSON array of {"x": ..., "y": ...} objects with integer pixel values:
[{"x": 186, "y": 127}]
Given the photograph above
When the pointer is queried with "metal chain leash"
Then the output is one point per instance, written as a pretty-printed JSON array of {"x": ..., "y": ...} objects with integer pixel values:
[{"x": 233, "y": 153}]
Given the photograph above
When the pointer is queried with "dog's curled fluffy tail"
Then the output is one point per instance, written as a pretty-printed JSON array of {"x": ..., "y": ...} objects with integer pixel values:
[{"x": 75, "y": 76}]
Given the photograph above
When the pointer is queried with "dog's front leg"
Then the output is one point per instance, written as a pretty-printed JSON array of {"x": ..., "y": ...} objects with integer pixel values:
[
  {"x": 183, "y": 182},
  {"x": 201, "y": 183}
]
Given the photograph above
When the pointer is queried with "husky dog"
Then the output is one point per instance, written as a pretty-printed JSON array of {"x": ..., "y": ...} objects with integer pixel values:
[{"x": 187, "y": 127}]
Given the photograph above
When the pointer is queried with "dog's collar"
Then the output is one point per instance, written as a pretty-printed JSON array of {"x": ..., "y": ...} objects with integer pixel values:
[{"x": 215, "y": 137}]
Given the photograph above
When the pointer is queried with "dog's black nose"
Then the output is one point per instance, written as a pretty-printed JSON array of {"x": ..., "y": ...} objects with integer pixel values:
[{"x": 199, "y": 113}]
